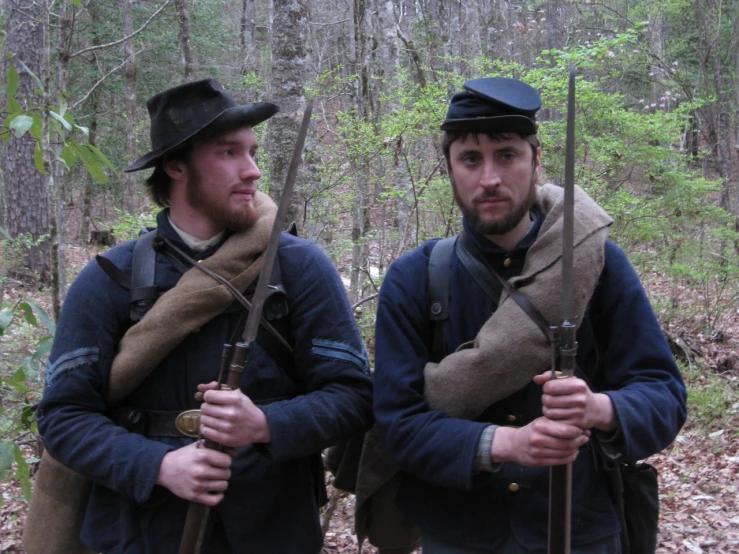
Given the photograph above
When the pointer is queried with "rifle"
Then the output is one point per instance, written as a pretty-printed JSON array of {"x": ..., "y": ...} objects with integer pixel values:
[
  {"x": 564, "y": 350},
  {"x": 196, "y": 522}
]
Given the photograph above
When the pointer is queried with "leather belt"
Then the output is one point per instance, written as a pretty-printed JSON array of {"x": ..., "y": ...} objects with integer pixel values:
[
  {"x": 159, "y": 423},
  {"x": 163, "y": 423}
]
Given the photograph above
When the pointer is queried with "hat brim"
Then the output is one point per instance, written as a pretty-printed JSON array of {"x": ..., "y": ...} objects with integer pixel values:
[
  {"x": 497, "y": 124},
  {"x": 249, "y": 115}
]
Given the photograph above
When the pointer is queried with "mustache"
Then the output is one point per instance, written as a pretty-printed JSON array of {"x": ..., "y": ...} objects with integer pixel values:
[{"x": 487, "y": 194}]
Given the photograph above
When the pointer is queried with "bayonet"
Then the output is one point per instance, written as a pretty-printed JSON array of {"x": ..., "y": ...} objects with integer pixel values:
[
  {"x": 197, "y": 515},
  {"x": 560, "y": 477}
]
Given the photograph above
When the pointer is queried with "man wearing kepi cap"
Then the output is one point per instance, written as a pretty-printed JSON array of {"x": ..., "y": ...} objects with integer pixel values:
[
  {"x": 464, "y": 401},
  {"x": 142, "y": 330}
]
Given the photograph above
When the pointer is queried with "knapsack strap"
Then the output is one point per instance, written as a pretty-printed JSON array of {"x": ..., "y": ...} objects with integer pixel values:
[
  {"x": 143, "y": 291},
  {"x": 489, "y": 280},
  {"x": 140, "y": 284},
  {"x": 466, "y": 246},
  {"x": 479, "y": 269},
  {"x": 438, "y": 291},
  {"x": 438, "y": 284}
]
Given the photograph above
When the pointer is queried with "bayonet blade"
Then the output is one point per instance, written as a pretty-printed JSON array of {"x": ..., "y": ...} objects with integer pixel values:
[
  {"x": 560, "y": 477},
  {"x": 260, "y": 293}
]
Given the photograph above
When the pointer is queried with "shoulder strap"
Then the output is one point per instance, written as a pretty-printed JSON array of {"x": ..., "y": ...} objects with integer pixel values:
[
  {"x": 465, "y": 244},
  {"x": 438, "y": 278},
  {"x": 143, "y": 292},
  {"x": 480, "y": 271},
  {"x": 438, "y": 292}
]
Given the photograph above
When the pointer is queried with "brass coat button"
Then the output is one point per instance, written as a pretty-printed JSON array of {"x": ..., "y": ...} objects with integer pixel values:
[
  {"x": 513, "y": 487},
  {"x": 512, "y": 418},
  {"x": 507, "y": 262}
]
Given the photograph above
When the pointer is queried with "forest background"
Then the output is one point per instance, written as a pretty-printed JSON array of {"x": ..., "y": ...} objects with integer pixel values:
[{"x": 657, "y": 146}]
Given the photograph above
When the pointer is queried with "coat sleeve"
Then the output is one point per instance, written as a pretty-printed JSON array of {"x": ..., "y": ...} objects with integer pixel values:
[
  {"x": 71, "y": 415},
  {"x": 330, "y": 360},
  {"x": 425, "y": 442},
  {"x": 636, "y": 367}
]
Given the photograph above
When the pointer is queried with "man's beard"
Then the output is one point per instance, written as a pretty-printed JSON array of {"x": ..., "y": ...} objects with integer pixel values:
[
  {"x": 223, "y": 215},
  {"x": 500, "y": 226}
]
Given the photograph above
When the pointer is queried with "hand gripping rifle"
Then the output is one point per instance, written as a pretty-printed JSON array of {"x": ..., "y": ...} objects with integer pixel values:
[
  {"x": 564, "y": 350},
  {"x": 197, "y": 514}
]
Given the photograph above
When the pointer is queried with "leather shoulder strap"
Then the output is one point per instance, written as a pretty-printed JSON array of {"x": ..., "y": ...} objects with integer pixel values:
[
  {"x": 481, "y": 272},
  {"x": 143, "y": 292},
  {"x": 438, "y": 292},
  {"x": 438, "y": 278},
  {"x": 521, "y": 299}
]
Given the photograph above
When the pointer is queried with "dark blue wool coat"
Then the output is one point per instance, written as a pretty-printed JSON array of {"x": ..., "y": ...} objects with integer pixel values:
[
  {"x": 272, "y": 501},
  {"x": 441, "y": 491}
]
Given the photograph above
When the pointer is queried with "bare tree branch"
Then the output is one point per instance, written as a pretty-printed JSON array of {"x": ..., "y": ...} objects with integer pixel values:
[
  {"x": 119, "y": 41},
  {"x": 89, "y": 92}
]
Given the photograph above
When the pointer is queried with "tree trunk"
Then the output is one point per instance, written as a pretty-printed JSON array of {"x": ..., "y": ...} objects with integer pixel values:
[
  {"x": 247, "y": 35},
  {"x": 289, "y": 57},
  {"x": 183, "y": 20},
  {"x": 362, "y": 195},
  {"x": 128, "y": 53},
  {"x": 27, "y": 196},
  {"x": 57, "y": 188}
]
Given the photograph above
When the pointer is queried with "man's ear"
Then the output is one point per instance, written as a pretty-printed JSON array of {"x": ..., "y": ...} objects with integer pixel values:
[{"x": 176, "y": 169}]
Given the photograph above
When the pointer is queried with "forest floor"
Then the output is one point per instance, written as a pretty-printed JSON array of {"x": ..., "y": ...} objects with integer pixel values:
[{"x": 699, "y": 472}]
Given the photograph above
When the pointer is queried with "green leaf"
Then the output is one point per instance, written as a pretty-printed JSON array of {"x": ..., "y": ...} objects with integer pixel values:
[
  {"x": 21, "y": 124},
  {"x": 12, "y": 78},
  {"x": 42, "y": 315},
  {"x": 61, "y": 120},
  {"x": 39, "y": 84},
  {"x": 38, "y": 159},
  {"x": 28, "y": 313},
  {"x": 68, "y": 155},
  {"x": 28, "y": 417},
  {"x": 63, "y": 103},
  {"x": 77, "y": 3},
  {"x": 4, "y": 233},
  {"x": 43, "y": 348},
  {"x": 102, "y": 157},
  {"x": 92, "y": 164},
  {"x": 18, "y": 379},
  {"x": 37, "y": 128},
  {"x": 5, "y": 317},
  {"x": 13, "y": 106},
  {"x": 27, "y": 489},
  {"x": 7, "y": 451}
]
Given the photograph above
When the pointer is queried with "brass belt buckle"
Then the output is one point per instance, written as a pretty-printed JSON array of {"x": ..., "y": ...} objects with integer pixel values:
[{"x": 188, "y": 423}]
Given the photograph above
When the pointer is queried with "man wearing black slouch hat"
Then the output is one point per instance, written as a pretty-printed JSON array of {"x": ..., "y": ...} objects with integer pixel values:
[
  {"x": 143, "y": 330},
  {"x": 464, "y": 400}
]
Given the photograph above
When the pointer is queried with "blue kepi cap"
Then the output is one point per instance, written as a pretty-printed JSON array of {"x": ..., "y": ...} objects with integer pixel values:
[{"x": 493, "y": 105}]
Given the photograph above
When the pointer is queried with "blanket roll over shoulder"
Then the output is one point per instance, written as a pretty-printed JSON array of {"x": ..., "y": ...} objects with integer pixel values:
[
  {"x": 195, "y": 300},
  {"x": 467, "y": 382},
  {"x": 59, "y": 500}
]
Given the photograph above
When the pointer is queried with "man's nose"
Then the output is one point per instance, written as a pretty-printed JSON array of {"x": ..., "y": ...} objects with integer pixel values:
[
  {"x": 249, "y": 171},
  {"x": 490, "y": 175}
]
